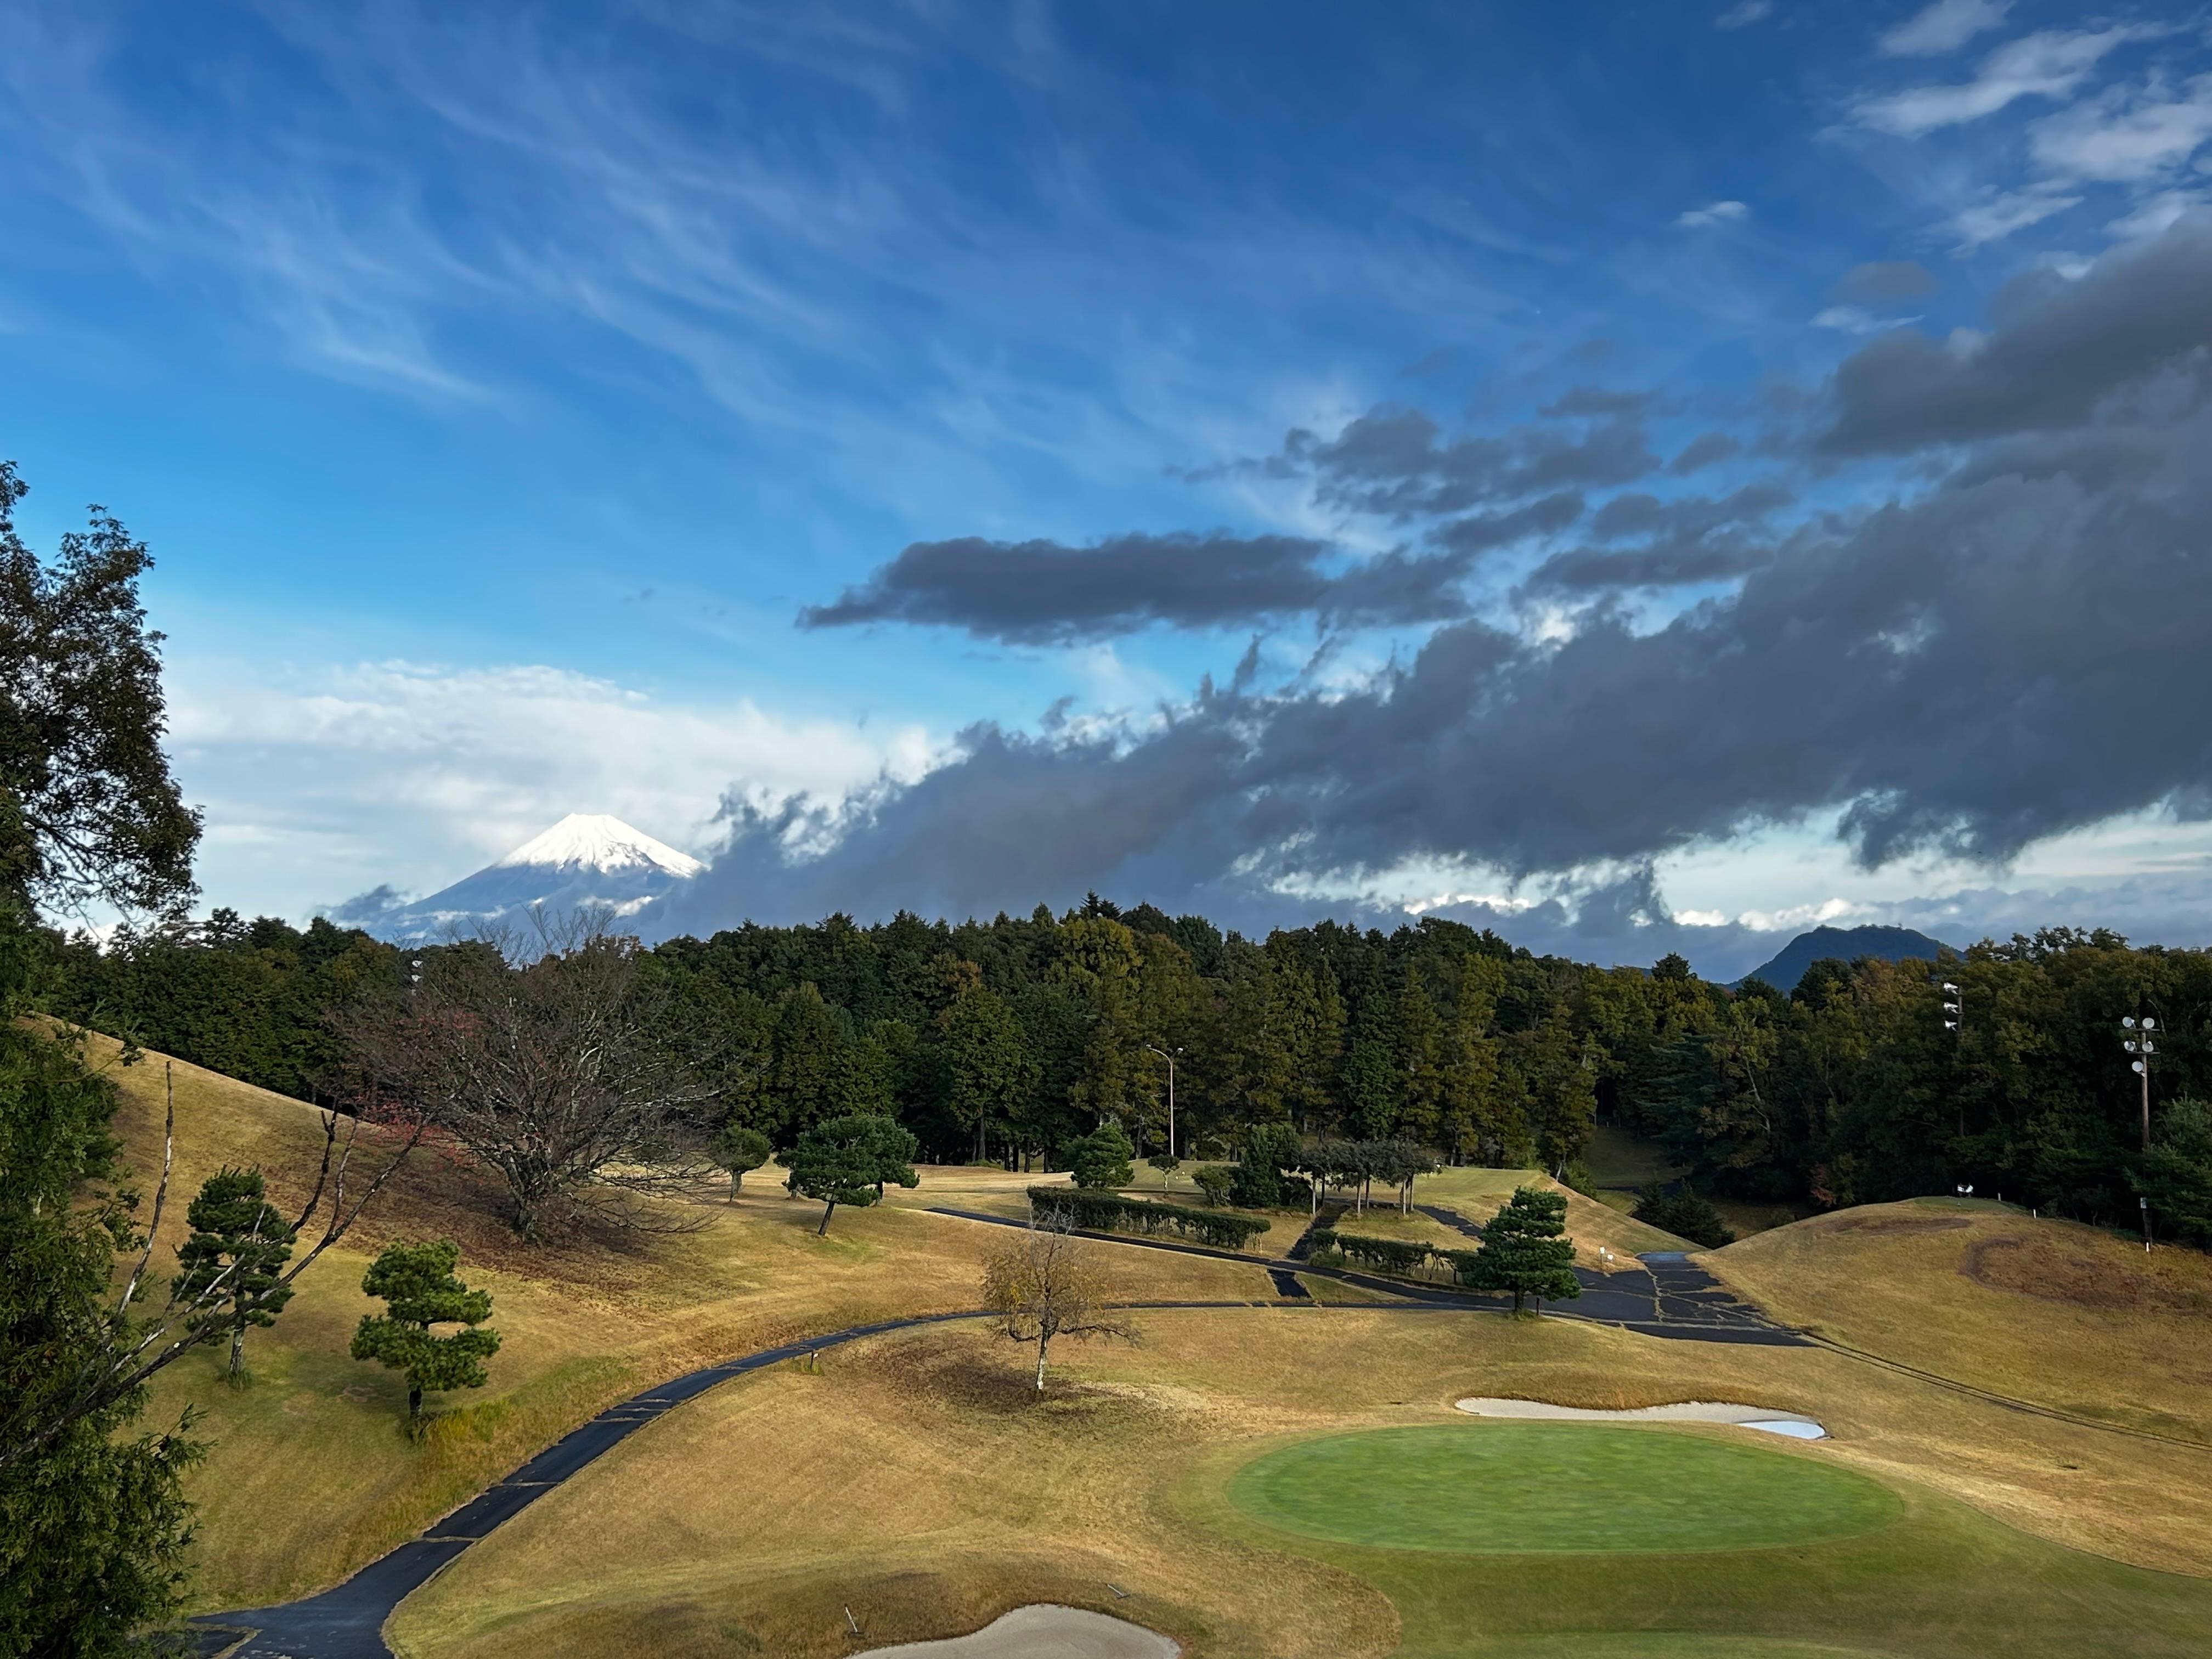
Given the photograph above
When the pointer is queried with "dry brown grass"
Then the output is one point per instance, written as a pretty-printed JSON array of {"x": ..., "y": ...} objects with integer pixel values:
[
  {"x": 912, "y": 1480},
  {"x": 309, "y": 1476},
  {"x": 1476, "y": 1194},
  {"x": 908, "y": 1479},
  {"x": 2049, "y": 1311}
]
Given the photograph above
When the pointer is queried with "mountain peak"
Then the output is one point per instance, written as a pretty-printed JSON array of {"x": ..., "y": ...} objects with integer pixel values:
[
  {"x": 1844, "y": 945},
  {"x": 598, "y": 841}
]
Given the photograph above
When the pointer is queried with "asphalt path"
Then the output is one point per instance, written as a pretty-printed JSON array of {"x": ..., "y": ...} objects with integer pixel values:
[
  {"x": 1665, "y": 1295},
  {"x": 1669, "y": 1297}
]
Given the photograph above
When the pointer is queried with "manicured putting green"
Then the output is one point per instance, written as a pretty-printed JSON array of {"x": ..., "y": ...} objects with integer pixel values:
[{"x": 1530, "y": 1488}]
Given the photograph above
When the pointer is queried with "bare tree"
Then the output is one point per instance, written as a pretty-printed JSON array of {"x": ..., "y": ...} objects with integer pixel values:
[
  {"x": 1046, "y": 1284},
  {"x": 130, "y": 1351},
  {"x": 559, "y": 1066}
]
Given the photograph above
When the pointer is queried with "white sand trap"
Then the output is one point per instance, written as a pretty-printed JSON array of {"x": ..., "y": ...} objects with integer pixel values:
[
  {"x": 1685, "y": 1411},
  {"x": 1043, "y": 1631}
]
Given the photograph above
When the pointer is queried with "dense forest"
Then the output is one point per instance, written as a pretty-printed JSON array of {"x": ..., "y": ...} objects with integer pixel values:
[{"x": 1009, "y": 1039}]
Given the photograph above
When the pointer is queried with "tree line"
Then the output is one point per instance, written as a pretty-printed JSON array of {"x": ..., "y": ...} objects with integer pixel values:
[{"x": 1016, "y": 1039}]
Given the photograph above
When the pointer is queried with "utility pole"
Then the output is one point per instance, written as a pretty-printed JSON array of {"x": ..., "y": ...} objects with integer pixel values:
[
  {"x": 2138, "y": 1043},
  {"x": 1170, "y": 1059}
]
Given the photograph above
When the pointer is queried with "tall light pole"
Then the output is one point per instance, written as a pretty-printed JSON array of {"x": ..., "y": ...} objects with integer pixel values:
[
  {"x": 1954, "y": 1023},
  {"x": 2138, "y": 1043},
  {"x": 1170, "y": 1059}
]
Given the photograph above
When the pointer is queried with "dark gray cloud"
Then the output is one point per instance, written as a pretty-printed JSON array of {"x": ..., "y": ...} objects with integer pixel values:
[
  {"x": 1039, "y": 591},
  {"x": 1589, "y": 400},
  {"x": 1688, "y": 540},
  {"x": 1478, "y": 532},
  {"x": 2059, "y": 346},
  {"x": 1391, "y": 463},
  {"x": 2013, "y": 652},
  {"x": 1706, "y": 449},
  {"x": 1883, "y": 284}
]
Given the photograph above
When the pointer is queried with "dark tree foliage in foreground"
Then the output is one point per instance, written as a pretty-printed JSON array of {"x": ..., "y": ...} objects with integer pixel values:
[
  {"x": 92, "y": 1523},
  {"x": 1523, "y": 1250},
  {"x": 421, "y": 1293},
  {"x": 88, "y": 808}
]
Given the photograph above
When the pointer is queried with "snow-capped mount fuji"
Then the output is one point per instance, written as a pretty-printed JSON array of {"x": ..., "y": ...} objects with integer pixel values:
[{"x": 588, "y": 859}]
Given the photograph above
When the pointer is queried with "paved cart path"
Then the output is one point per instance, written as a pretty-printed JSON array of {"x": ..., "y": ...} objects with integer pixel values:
[{"x": 1669, "y": 1298}]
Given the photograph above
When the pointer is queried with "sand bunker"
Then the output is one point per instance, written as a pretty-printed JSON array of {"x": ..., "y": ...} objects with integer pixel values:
[
  {"x": 1685, "y": 1411},
  {"x": 1043, "y": 1631}
]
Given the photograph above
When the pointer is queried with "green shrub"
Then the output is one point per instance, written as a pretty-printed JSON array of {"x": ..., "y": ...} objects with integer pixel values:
[
  {"x": 1684, "y": 1215},
  {"x": 1108, "y": 1213},
  {"x": 1255, "y": 1186},
  {"x": 1389, "y": 1255},
  {"x": 1101, "y": 1159},
  {"x": 1214, "y": 1180}
]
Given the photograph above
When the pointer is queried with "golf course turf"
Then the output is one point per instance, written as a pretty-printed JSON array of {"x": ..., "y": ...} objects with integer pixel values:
[{"x": 1522, "y": 1488}]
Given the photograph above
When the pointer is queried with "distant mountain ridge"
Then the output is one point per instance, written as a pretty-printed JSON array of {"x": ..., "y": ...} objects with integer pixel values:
[
  {"x": 1844, "y": 945},
  {"x": 587, "y": 860}
]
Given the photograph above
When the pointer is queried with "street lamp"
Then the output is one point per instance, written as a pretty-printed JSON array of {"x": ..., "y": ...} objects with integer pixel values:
[
  {"x": 2138, "y": 1042},
  {"x": 1170, "y": 1059}
]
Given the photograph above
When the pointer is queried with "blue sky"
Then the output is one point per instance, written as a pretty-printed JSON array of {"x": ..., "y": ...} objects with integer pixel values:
[{"x": 498, "y": 385}]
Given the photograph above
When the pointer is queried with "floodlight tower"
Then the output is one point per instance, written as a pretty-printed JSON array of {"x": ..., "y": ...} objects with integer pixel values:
[
  {"x": 2136, "y": 1040},
  {"x": 1954, "y": 1023}
]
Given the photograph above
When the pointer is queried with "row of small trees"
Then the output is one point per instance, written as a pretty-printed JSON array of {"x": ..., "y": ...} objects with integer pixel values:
[{"x": 1524, "y": 1252}]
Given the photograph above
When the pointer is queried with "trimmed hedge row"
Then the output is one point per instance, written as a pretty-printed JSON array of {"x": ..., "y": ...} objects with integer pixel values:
[
  {"x": 1403, "y": 1256},
  {"x": 1104, "y": 1212}
]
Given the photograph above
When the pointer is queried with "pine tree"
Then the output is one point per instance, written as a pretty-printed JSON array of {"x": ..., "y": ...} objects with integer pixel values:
[
  {"x": 419, "y": 1291},
  {"x": 1100, "y": 1158},
  {"x": 1523, "y": 1250},
  {"x": 238, "y": 1247},
  {"x": 740, "y": 1151},
  {"x": 848, "y": 1160}
]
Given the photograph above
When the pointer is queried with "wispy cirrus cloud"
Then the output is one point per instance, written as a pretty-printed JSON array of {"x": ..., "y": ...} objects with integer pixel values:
[
  {"x": 1943, "y": 27},
  {"x": 2048, "y": 64},
  {"x": 1713, "y": 213}
]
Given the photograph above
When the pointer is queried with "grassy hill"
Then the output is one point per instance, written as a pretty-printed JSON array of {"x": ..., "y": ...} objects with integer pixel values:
[
  {"x": 309, "y": 1475},
  {"x": 2050, "y": 1311}
]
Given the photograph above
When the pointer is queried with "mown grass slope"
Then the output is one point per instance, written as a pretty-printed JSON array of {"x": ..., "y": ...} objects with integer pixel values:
[
  {"x": 309, "y": 1475},
  {"x": 2050, "y": 1311},
  {"x": 914, "y": 1479}
]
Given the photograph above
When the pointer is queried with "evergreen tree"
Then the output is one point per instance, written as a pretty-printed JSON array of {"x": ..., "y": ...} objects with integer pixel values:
[
  {"x": 989, "y": 1072},
  {"x": 1523, "y": 1250},
  {"x": 1684, "y": 1215},
  {"x": 740, "y": 1150},
  {"x": 1100, "y": 1158},
  {"x": 1421, "y": 1055},
  {"x": 2176, "y": 1174},
  {"x": 238, "y": 1247},
  {"x": 848, "y": 1159},
  {"x": 417, "y": 1284}
]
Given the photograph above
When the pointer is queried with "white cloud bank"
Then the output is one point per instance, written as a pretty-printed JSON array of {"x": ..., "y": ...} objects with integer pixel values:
[{"x": 319, "y": 783}]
